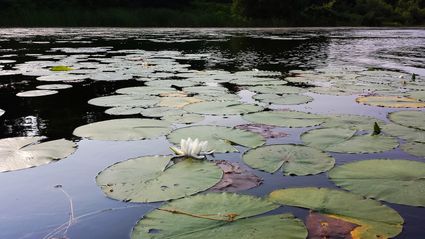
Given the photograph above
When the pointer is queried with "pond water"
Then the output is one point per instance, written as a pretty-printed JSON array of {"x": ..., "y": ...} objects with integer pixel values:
[{"x": 104, "y": 61}]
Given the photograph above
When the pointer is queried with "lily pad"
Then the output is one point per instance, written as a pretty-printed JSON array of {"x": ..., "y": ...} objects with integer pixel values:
[
  {"x": 355, "y": 122},
  {"x": 168, "y": 83},
  {"x": 220, "y": 139},
  {"x": 290, "y": 119},
  {"x": 413, "y": 148},
  {"x": 36, "y": 93},
  {"x": 178, "y": 102},
  {"x": 395, "y": 181},
  {"x": 404, "y": 132},
  {"x": 161, "y": 111},
  {"x": 146, "y": 90},
  {"x": 61, "y": 68},
  {"x": 222, "y": 108},
  {"x": 124, "y": 110},
  {"x": 346, "y": 141},
  {"x": 184, "y": 119},
  {"x": 374, "y": 219},
  {"x": 54, "y": 87},
  {"x": 284, "y": 99},
  {"x": 235, "y": 178},
  {"x": 418, "y": 95},
  {"x": 129, "y": 101},
  {"x": 390, "y": 101},
  {"x": 110, "y": 76},
  {"x": 152, "y": 179},
  {"x": 267, "y": 131},
  {"x": 218, "y": 216},
  {"x": 123, "y": 129},
  {"x": 26, "y": 152},
  {"x": 412, "y": 119},
  {"x": 291, "y": 159},
  {"x": 278, "y": 89}
]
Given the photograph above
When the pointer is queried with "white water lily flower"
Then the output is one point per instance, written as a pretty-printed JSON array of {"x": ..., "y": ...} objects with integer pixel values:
[{"x": 192, "y": 148}]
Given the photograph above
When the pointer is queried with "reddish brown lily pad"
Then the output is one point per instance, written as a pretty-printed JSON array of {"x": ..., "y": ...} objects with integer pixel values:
[
  {"x": 235, "y": 178},
  {"x": 320, "y": 226},
  {"x": 267, "y": 131}
]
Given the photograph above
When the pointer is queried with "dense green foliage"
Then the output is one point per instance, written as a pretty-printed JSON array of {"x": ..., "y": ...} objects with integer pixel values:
[{"x": 212, "y": 12}]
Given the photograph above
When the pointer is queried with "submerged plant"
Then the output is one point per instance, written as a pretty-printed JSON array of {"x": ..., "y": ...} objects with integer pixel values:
[{"x": 192, "y": 148}]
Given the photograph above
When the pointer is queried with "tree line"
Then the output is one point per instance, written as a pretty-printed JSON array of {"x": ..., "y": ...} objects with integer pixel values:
[{"x": 213, "y": 12}]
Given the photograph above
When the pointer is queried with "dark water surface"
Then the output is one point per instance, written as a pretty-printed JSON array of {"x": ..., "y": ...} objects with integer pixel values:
[{"x": 30, "y": 205}]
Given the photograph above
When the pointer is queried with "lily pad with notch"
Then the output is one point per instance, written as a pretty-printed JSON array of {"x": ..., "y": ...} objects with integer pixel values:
[
  {"x": 340, "y": 140},
  {"x": 217, "y": 216},
  {"x": 391, "y": 180},
  {"x": 222, "y": 108},
  {"x": 291, "y": 159},
  {"x": 157, "y": 178},
  {"x": 290, "y": 119}
]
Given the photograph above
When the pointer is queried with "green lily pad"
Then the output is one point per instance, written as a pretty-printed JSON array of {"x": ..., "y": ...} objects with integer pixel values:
[
  {"x": 152, "y": 179},
  {"x": 168, "y": 83},
  {"x": 374, "y": 219},
  {"x": 26, "y": 152},
  {"x": 390, "y": 101},
  {"x": 278, "y": 89},
  {"x": 128, "y": 101},
  {"x": 346, "y": 141},
  {"x": 183, "y": 119},
  {"x": 161, "y": 111},
  {"x": 412, "y": 119},
  {"x": 124, "y": 110},
  {"x": 54, "y": 87},
  {"x": 222, "y": 108},
  {"x": 395, "y": 181},
  {"x": 220, "y": 139},
  {"x": 413, "y": 148},
  {"x": 123, "y": 129},
  {"x": 355, "y": 122},
  {"x": 291, "y": 159},
  {"x": 146, "y": 90},
  {"x": 284, "y": 99},
  {"x": 178, "y": 102},
  {"x": 36, "y": 93},
  {"x": 111, "y": 76},
  {"x": 61, "y": 68},
  {"x": 418, "y": 95},
  {"x": 218, "y": 216},
  {"x": 403, "y": 132},
  {"x": 290, "y": 119}
]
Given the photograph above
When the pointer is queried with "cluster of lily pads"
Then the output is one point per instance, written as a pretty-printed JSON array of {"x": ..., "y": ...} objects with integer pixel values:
[{"x": 174, "y": 101}]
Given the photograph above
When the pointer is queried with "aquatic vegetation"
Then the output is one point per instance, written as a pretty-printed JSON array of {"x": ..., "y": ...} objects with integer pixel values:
[
  {"x": 396, "y": 181},
  {"x": 291, "y": 159},
  {"x": 26, "y": 152},
  {"x": 347, "y": 141},
  {"x": 123, "y": 129},
  {"x": 61, "y": 68},
  {"x": 290, "y": 119},
  {"x": 373, "y": 219},
  {"x": 36, "y": 93},
  {"x": 157, "y": 178},
  {"x": 217, "y": 215}
]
